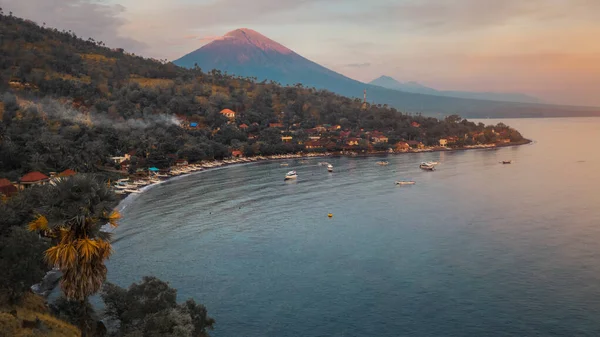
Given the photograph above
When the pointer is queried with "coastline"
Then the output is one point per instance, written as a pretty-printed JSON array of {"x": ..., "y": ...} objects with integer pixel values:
[{"x": 221, "y": 164}]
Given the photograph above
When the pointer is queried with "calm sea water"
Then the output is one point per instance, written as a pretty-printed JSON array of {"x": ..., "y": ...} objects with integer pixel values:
[{"x": 476, "y": 248}]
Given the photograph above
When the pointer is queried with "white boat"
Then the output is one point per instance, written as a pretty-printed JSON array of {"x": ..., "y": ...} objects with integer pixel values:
[
  {"x": 330, "y": 168},
  {"x": 291, "y": 175},
  {"x": 432, "y": 163},
  {"x": 404, "y": 182},
  {"x": 427, "y": 166},
  {"x": 284, "y": 164}
]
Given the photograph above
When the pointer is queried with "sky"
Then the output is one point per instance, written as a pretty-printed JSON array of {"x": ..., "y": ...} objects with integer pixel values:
[{"x": 546, "y": 48}]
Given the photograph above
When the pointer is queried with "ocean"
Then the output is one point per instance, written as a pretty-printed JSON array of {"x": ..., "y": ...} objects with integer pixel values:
[{"x": 475, "y": 248}]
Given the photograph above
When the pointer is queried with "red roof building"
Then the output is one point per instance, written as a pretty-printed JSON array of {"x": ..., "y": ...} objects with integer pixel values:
[
  {"x": 67, "y": 173},
  {"x": 243, "y": 126},
  {"x": 34, "y": 178},
  {"x": 276, "y": 125},
  {"x": 230, "y": 114},
  {"x": 237, "y": 153},
  {"x": 7, "y": 188},
  {"x": 415, "y": 124}
]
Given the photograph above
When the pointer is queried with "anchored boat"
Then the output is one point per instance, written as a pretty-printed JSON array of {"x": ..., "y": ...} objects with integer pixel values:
[
  {"x": 427, "y": 166},
  {"x": 404, "y": 182},
  {"x": 330, "y": 168},
  {"x": 291, "y": 175}
]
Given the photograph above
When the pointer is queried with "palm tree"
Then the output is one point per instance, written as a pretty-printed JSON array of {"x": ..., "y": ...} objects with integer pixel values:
[{"x": 77, "y": 208}]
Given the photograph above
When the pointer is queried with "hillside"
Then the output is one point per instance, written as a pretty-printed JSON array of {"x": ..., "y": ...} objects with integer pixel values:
[
  {"x": 69, "y": 103},
  {"x": 247, "y": 53},
  {"x": 415, "y": 87}
]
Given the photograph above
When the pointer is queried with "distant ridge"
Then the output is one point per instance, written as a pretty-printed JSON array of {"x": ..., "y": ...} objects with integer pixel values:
[
  {"x": 415, "y": 87},
  {"x": 247, "y": 53}
]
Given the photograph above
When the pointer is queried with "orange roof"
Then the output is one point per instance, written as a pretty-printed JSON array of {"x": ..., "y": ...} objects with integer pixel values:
[
  {"x": 33, "y": 177},
  {"x": 67, "y": 173},
  {"x": 4, "y": 182},
  {"x": 243, "y": 126},
  {"x": 227, "y": 111}
]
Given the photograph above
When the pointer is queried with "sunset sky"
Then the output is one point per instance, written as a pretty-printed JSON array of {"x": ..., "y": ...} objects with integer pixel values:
[{"x": 546, "y": 48}]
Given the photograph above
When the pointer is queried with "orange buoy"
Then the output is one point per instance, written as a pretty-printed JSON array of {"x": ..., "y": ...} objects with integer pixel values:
[{"x": 330, "y": 215}]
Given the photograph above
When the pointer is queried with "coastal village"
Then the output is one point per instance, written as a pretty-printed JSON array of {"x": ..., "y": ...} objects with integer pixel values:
[{"x": 322, "y": 140}]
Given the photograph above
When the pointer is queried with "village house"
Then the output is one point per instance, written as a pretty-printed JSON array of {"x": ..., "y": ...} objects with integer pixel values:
[
  {"x": 33, "y": 178},
  {"x": 7, "y": 188},
  {"x": 315, "y": 144},
  {"x": 181, "y": 162},
  {"x": 237, "y": 154},
  {"x": 415, "y": 125},
  {"x": 402, "y": 147},
  {"x": 415, "y": 144},
  {"x": 286, "y": 139},
  {"x": 314, "y": 137},
  {"x": 379, "y": 138},
  {"x": 243, "y": 127},
  {"x": 119, "y": 160},
  {"x": 67, "y": 173},
  {"x": 320, "y": 128},
  {"x": 230, "y": 114},
  {"x": 352, "y": 141},
  {"x": 443, "y": 142},
  {"x": 276, "y": 125}
]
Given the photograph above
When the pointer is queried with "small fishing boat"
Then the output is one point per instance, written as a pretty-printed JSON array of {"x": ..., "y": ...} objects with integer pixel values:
[
  {"x": 291, "y": 175},
  {"x": 506, "y": 162},
  {"x": 405, "y": 182},
  {"x": 427, "y": 166},
  {"x": 382, "y": 163},
  {"x": 432, "y": 163},
  {"x": 284, "y": 164},
  {"x": 330, "y": 168}
]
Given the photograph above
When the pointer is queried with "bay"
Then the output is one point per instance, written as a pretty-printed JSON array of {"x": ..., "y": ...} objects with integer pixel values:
[{"x": 475, "y": 248}]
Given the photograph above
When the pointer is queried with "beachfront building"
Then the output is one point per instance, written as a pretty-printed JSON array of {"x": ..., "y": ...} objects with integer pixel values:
[
  {"x": 443, "y": 142},
  {"x": 230, "y": 114},
  {"x": 286, "y": 139},
  {"x": 33, "y": 178},
  {"x": 181, "y": 162},
  {"x": 402, "y": 147}
]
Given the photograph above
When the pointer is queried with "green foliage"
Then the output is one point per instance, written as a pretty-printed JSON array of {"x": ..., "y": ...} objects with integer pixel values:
[
  {"x": 150, "y": 309},
  {"x": 21, "y": 262}
]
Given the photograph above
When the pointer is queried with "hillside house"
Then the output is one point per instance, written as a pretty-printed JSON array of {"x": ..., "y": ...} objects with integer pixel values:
[
  {"x": 67, "y": 173},
  {"x": 276, "y": 125},
  {"x": 286, "y": 139},
  {"x": 379, "y": 139},
  {"x": 243, "y": 127},
  {"x": 443, "y": 142},
  {"x": 33, "y": 178},
  {"x": 237, "y": 154},
  {"x": 230, "y": 114},
  {"x": 7, "y": 188},
  {"x": 314, "y": 137},
  {"x": 415, "y": 125}
]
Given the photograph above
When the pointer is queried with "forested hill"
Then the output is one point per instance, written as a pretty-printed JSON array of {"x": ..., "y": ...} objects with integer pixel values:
[{"x": 73, "y": 103}]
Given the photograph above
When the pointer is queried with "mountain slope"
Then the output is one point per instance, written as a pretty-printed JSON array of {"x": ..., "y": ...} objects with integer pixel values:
[
  {"x": 244, "y": 52},
  {"x": 415, "y": 87}
]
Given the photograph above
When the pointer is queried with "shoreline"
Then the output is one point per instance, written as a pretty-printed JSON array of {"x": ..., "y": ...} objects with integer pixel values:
[{"x": 220, "y": 164}]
